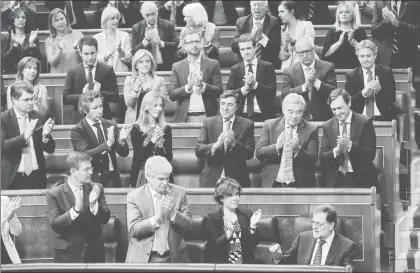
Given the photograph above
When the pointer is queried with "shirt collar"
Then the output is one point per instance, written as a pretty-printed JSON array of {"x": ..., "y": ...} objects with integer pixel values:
[
  {"x": 231, "y": 119},
  {"x": 261, "y": 20},
  {"x": 19, "y": 115},
  {"x": 312, "y": 66},
  {"x": 152, "y": 191},
  {"x": 329, "y": 239},
  {"x": 254, "y": 62},
  {"x": 197, "y": 62},
  {"x": 94, "y": 65},
  {"x": 372, "y": 69},
  {"x": 73, "y": 187},
  {"x": 348, "y": 119},
  {"x": 154, "y": 26},
  {"x": 91, "y": 122}
]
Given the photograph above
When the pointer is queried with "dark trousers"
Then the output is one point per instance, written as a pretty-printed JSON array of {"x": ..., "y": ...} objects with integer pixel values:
[
  {"x": 283, "y": 185},
  {"x": 345, "y": 180},
  {"x": 156, "y": 258},
  {"x": 35, "y": 180},
  {"x": 111, "y": 180},
  {"x": 94, "y": 254}
]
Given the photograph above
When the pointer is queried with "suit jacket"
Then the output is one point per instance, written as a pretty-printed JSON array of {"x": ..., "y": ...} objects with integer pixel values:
[
  {"x": 78, "y": 8},
  {"x": 362, "y": 153},
  {"x": 384, "y": 100},
  {"x": 271, "y": 29},
  {"x": 163, "y": 13},
  {"x": 211, "y": 76},
  {"x": 131, "y": 13},
  {"x": 294, "y": 78},
  {"x": 341, "y": 251},
  {"x": 84, "y": 140},
  {"x": 407, "y": 32},
  {"x": 76, "y": 80},
  {"x": 217, "y": 250},
  {"x": 167, "y": 34},
  {"x": 234, "y": 160},
  {"x": 228, "y": 7},
  {"x": 303, "y": 162},
  {"x": 265, "y": 92},
  {"x": 12, "y": 143},
  {"x": 72, "y": 236},
  {"x": 140, "y": 209}
]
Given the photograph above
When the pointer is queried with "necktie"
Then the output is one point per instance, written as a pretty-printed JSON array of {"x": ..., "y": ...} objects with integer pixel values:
[
  {"x": 26, "y": 152},
  {"x": 90, "y": 77},
  {"x": 250, "y": 97},
  {"x": 310, "y": 88},
  {"x": 344, "y": 158},
  {"x": 318, "y": 253},
  {"x": 101, "y": 139},
  {"x": 173, "y": 12},
  {"x": 258, "y": 51},
  {"x": 161, "y": 241},
  {"x": 287, "y": 160},
  {"x": 310, "y": 10},
  {"x": 370, "y": 100},
  {"x": 395, "y": 42},
  {"x": 69, "y": 11},
  {"x": 226, "y": 128}
]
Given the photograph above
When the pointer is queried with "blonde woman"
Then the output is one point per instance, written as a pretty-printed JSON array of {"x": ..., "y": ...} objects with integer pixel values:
[
  {"x": 9, "y": 225},
  {"x": 143, "y": 80},
  {"x": 114, "y": 47}
]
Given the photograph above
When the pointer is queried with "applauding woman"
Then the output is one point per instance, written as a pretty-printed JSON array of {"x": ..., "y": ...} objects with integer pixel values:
[
  {"x": 231, "y": 231},
  {"x": 150, "y": 135},
  {"x": 114, "y": 47},
  {"x": 9, "y": 225}
]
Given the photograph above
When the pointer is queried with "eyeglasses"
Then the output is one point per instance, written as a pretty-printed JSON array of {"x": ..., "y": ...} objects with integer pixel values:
[
  {"x": 87, "y": 169},
  {"x": 318, "y": 224},
  {"x": 193, "y": 42},
  {"x": 306, "y": 52}
]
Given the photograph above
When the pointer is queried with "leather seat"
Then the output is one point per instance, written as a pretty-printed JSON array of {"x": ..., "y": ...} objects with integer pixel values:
[{"x": 196, "y": 240}]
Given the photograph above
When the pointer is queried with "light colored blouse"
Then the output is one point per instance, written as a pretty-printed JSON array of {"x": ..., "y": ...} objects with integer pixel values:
[
  {"x": 10, "y": 226},
  {"x": 40, "y": 97}
]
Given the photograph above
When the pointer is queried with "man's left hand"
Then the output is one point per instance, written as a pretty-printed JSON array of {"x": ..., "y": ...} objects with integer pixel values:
[
  {"x": 94, "y": 194},
  {"x": 168, "y": 205},
  {"x": 47, "y": 128}
]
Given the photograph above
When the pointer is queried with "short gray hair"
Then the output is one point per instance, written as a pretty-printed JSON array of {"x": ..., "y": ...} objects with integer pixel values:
[
  {"x": 264, "y": 2},
  {"x": 148, "y": 4},
  {"x": 156, "y": 165},
  {"x": 366, "y": 44},
  {"x": 294, "y": 99}
]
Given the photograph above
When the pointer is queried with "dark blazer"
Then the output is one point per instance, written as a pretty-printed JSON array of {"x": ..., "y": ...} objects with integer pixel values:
[
  {"x": 265, "y": 92},
  {"x": 163, "y": 13},
  {"x": 12, "y": 143},
  {"x": 303, "y": 162},
  {"x": 362, "y": 153},
  {"x": 167, "y": 34},
  {"x": 131, "y": 13},
  {"x": 271, "y": 29},
  {"x": 142, "y": 153},
  {"x": 294, "y": 78},
  {"x": 30, "y": 21},
  {"x": 218, "y": 246},
  {"x": 84, "y": 140},
  {"x": 385, "y": 99},
  {"x": 407, "y": 32},
  {"x": 78, "y": 8},
  {"x": 234, "y": 160},
  {"x": 73, "y": 236},
  {"x": 211, "y": 76},
  {"x": 76, "y": 80},
  {"x": 341, "y": 251},
  {"x": 228, "y": 7}
]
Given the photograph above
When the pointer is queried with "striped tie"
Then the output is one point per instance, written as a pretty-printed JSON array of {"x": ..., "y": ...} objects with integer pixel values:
[
  {"x": 173, "y": 13},
  {"x": 258, "y": 51},
  {"x": 344, "y": 158},
  {"x": 161, "y": 243},
  {"x": 318, "y": 253},
  {"x": 395, "y": 42},
  {"x": 287, "y": 159}
]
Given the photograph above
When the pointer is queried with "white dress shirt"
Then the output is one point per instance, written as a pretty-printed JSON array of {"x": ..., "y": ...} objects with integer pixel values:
[
  {"x": 264, "y": 40},
  {"x": 153, "y": 221},
  {"x": 91, "y": 123},
  {"x": 317, "y": 83},
  {"x": 325, "y": 248},
  {"x": 376, "y": 111},
  {"x": 196, "y": 98},
  {"x": 254, "y": 63},
  {"x": 73, "y": 213},
  {"x": 340, "y": 128}
]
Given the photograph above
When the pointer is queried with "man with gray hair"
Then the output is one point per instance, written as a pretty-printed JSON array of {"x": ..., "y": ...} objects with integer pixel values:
[
  {"x": 288, "y": 146},
  {"x": 313, "y": 79},
  {"x": 157, "y": 216}
]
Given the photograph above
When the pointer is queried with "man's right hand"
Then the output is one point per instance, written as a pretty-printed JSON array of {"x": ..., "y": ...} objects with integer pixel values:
[
  {"x": 30, "y": 129},
  {"x": 111, "y": 136},
  {"x": 281, "y": 140},
  {"x": 276, "y": 251},
  {"x": 190, "y": 81},
  {"x": 78, "y": 202},
  {"x": 219, "y": 143}
]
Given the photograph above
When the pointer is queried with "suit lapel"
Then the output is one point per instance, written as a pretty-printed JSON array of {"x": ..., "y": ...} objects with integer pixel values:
[
  {"x": 218, "y": 127},
  {"x": 161, "y": 28},
  {"x": 90, "y": 132},
  {"x": 82, "y": 75},
  {"x": 241, "y": 73},
  {"x": 242, "y": 222},
  {"x": 300, "y": 129},
  {"x": 266, "y": 25},
  {"x": 402, "y": 10},
  {"x": 98, "y": 71},
  {"x": 260, "y": 71},
  {"x": 69, "y": 193},
  {"x": 335, "y": 131},
  {"x": 334, "y": 249},
  {"x": 361, "y": 78},
  {"x": 280, "y": 129},
  {"x": 310, "y": 251},
  {"x": 353, "y": 126},
  {"x": 300, "y": 75},
  {"x": 14, "y": 122},
  {"x": 105, "y": 126},
  {"x": 145, "y": 195},
  {"x": 318, "y": 69},
  {"x": 250, "y": 23}
]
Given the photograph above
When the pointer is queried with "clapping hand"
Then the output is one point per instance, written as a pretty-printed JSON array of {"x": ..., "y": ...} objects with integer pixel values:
[
  {"x": 281, "y": 140},
  {"x": 276, "y": 251},
  {"x": 33, "y": 36},
  {"x": 376, "y": 85},
  {"x": 341, "y": 39},
  {"x": 198, "y": 79},
  {"x": 11, "y": 207},
  {"x": 125, "y": 131},
  {"x": 30, "y": 129},
  {"x": 286, "y": 37},
  {"x": 229, "y": 227},
  {"x": 96, "y": 86},
  {"x": 120, "y": 51},
  {"x": 157, "y": 135},
  {"x": 249, "y": 80},
  {"x": 255, "y": 218},
  {"x": 168, "y": 205},
  {"x": 111, "y": 136},
  {"x": 293, "y": 143},
  {"x": 229, "y": 139},
  {"x": 220, "y": 141},
  {"x": 94, "y": 194},
  {"x": 47, "y": 128}
]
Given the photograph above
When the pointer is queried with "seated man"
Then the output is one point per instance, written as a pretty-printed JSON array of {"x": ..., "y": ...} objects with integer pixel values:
[
  {"x": 371, "y": 86},
  {"x": 156, "y": 35},
  {"x": 157, "y": 216},
  {"x": 227, "y": 142},
  {"x": 289, "y": 147},
  {"x": 196, "y": 82},
  {"x": 348, "y": 146},
  {"x": 99, "y": 138},
  {"x": 321, "y": 246}
]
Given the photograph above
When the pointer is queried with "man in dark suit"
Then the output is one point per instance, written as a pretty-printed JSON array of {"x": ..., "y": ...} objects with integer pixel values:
[
  {"x": 90, "y": 75},
  {"x": 99, "y": 138},
  {"x": 348, "y": 146},
  {"x": 311, "y": 78},
  {"x": 257, "y": 87},
  {"x": 288, "y": 146},
  {"x": 221, "y": 13},
  {"x": 76, "y": 208},
  {"x": 156, "y": 35},
  {"x": 264, "y": 29},
  {"x": 172, "y": 11},
  {"x": 196, "y": 82},
  {"x": 75, "y": 11},
  {"x": 226, "y": 141},
  {"x": 371, "y": 86},
  {"x": 129, "y": 10},
  {"x": 321, "y": 246},
  {"x": 25, "y": 136}
]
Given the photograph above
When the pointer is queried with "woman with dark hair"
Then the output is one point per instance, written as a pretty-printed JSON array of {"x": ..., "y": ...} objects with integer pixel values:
[
  {"x": 8, "y": 6},
  {"x": 21, "y": 43},
  {"x": 61, "y": 47},
  {"x": 230, "y": 231}
]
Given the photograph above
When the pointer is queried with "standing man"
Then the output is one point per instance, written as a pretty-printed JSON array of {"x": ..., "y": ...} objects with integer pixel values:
[
  {"x": 311, "y": 78},
  {"x": 255, "y": 82},
  {"x": 221, "y": 13},
  {"x": 289, "y": 147},
  {"x": 172, "y": 11},
  {"x": 25, "y": 136},
  {"x": 156, "y": 35},
  {"x": 227, "y": 142},
  {"x": 157, "y": 216},
  {"x": 348, "y": 146},
  {"x": 196, "y": 82},
  {"x": 75, "y": 11},
  {"x": 99, "y": 138},
  {"x": 76, "y": 208},
  {"x": 371, "y": 86}
]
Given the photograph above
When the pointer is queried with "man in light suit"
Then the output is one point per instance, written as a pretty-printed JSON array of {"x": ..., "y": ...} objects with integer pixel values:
[
  {"x": 265, "y": 31},
  {"x": 99, "y": 138},
  {"x": 371, "y": 86},
  {"x": 25, "y": 136},
  {"x": 274, "y": 144},
  {"x": 76, "y": 208},
  {"x": 196, "y": 82},
  {"x": 90, "y": 75},
  {"x": 155, "y": 35},
  {"x": 226, "y": 141},
  {"x": 348, "y": 146},
  {"x": 321, "y": 246},
  {"x": 311, "y": 78},
  {"x": 257, "y": 87},
  {"x": 157, "y": 216}
]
